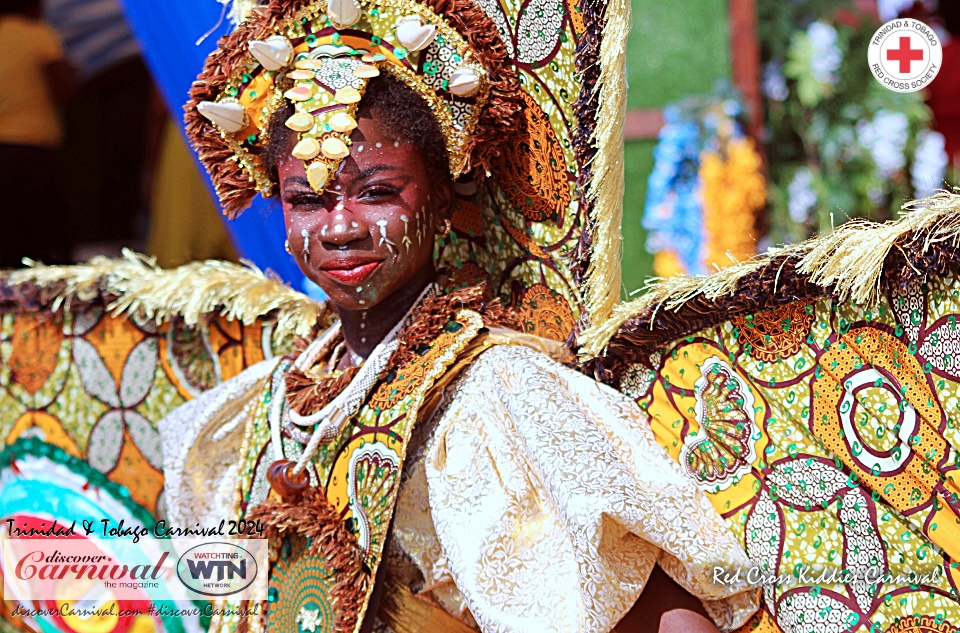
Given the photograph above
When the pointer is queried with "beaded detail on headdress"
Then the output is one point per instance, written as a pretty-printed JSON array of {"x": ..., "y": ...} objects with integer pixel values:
[
  {"x": 537, "y": 211},
  {"x": 319, "y": 56}
]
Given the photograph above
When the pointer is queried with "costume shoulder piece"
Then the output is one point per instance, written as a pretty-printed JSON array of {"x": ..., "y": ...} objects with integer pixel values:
[
  {"x": 811, "y": 393},
  {"x": 517, "y": 90}
]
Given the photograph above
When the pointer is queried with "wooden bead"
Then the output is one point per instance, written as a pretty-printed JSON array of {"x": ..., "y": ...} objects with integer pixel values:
[{"x": 284, "y": 482}]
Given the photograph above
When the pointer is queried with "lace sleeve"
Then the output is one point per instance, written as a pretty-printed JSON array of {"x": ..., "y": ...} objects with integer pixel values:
[{"x": 552, "y": 503}]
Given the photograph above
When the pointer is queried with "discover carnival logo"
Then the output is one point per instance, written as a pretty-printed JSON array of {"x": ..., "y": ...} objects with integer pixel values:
[
  {"x": 76, "y": 569},
  {"x": 905, "y": 55}
]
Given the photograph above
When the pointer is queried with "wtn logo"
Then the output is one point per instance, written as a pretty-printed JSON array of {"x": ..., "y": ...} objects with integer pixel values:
[
  {"x": 217, "y": 569},
  {"x": 224, "y": 569}
]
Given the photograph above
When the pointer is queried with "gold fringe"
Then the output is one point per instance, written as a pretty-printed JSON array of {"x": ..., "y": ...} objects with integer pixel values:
[
  {"x": 192, "y": 291},
  {"x": 848, "y": 261},
  {"x": 606, "y": 189}
]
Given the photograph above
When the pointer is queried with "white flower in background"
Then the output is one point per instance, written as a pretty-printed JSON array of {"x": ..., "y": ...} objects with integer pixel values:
[
  {"x": 774, "y": 83},
  {"x": 885, "y": 137},
  {"x": 889, "y": 9},
  {"x": 802, "y": 196},
  {"x": 826, "y": 56},
  {"x": 929, "y": 163}
]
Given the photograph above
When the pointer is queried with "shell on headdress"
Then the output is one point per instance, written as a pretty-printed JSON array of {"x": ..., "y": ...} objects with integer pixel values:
[
  {"x": 343, "y": 13},
  {"x": 414, "y": 34},
  {"x": 273, "y": 53},
  {"x": 229, "y": 116},
  {"x": 464, "y": 82}
]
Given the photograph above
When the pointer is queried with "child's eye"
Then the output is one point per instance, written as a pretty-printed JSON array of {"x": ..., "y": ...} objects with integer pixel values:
[{"x": 377, "y": 192}]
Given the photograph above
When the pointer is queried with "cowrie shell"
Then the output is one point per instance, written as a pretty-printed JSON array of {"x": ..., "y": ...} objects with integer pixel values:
[
  {"x": 343, "y": 13},
  {"x": 229, "y": 116},
  {"x": 464, "y": 82},
  {"x": 414, "y": 35},
  {"x": 273, "y": 53}
]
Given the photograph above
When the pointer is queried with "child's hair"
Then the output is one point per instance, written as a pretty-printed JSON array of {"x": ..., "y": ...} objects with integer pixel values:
[{"x": 402, "y": 113}]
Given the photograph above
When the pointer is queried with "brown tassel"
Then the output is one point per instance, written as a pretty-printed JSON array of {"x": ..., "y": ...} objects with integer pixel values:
[{"x": 314, "y": 518}]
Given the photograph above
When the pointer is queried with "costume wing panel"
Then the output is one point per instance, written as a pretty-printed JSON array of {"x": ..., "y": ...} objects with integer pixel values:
[
  {"x": 820, "y": 416},
  {"x": 92, "y": 357}
]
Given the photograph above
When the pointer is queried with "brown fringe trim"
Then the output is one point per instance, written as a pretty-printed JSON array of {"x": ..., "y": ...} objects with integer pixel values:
[
  {"x": 313, "y": 517},
  {"x": 500, "y": 117},
  {"x": 915, "y": 258},
  {"x": 586, "y": 108},
  {"x": 235, "y": 187},
  {"x": 308, "y": 396}
]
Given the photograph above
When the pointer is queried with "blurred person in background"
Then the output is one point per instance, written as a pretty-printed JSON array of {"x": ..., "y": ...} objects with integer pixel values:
[{"x": 36, "y": 81}]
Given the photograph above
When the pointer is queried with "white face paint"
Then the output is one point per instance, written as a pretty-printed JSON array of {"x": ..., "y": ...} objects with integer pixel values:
[
  {"x": 379, "y": 145},
  {"x": 383, "y": 235},
  {"x": 286, "y": 246},
  {"x": 338, "y": 217},
  {"x": 338, "y": 228},
  {"x": 323, "y": 230},
  {"x": 359, "y": 288},
  {"x": 354, "y": 224},
  {"x": 406, "y": 238},
  {"x": 359, "y": 148},
  {"x": 306, "y": 243}
]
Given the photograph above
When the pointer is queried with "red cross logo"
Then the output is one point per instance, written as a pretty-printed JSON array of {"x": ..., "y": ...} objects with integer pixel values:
[{"x": 905, "y": 55}]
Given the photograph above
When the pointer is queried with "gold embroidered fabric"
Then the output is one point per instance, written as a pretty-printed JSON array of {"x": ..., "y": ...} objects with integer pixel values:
[
  {"x": 548, "y": 502},
  {"x": 538, "y": 501}
]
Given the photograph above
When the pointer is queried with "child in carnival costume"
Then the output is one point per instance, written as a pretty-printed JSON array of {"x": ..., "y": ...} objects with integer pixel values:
[{"x": 420, "y": 459}]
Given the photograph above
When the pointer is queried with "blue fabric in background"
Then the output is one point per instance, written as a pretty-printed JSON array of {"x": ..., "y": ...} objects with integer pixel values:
[{"x": 168, "y": 32}]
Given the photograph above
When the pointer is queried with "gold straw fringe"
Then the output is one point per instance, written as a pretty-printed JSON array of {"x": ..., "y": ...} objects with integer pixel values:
[
  {"x": 193, "y": 291},
  {"x": 604, "y": 277},
  {"x": 848, "y": 261}
]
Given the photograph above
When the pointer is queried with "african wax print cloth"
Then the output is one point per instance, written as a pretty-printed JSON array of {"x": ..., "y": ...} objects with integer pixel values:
[
  {"x": 81, "y": 393},
  {"x": 824, "y": 430}
]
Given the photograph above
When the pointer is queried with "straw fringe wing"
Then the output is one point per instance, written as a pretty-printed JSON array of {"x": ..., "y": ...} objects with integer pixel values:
[
  {"x": 134, "y": 285},
  {"x": 856, "y": 262}
]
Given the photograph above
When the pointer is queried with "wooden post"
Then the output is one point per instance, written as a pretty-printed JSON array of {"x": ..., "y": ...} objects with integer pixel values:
[{"x": 745, "y": 60}]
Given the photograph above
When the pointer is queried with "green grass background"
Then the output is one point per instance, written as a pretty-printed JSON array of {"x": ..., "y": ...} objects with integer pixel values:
[{"x": 675, "y": 49}]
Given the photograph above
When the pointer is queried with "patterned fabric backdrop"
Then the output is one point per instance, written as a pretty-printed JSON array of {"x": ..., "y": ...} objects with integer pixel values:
[{"x": 81, "y": 393}]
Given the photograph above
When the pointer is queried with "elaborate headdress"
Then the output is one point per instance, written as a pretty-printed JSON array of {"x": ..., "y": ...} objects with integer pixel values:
[{"x": 517, "y": 90}]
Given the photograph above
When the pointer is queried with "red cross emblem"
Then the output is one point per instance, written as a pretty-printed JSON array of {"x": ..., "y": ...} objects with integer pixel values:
[{"x": 905, "y": 55}]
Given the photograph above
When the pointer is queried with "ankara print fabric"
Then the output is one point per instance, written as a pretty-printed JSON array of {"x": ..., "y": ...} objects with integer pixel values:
[
  {"x": 81, "y": 393},
  {"x": 826, "y": 434}
]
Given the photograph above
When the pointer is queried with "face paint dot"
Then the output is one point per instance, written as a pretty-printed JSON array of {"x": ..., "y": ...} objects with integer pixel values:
[
  {"x": 359, "y": 288},
  {"x": 339, "y": 217},
  {"x": 396, "y": 143},
  {"x": 338, "y": 228},
  {"x": 337, "y": 187},
  {"x": 363, "y": 326},
  {"x": 362, "y": 302},
  {"x": 359, "y": 148},
  {"x": 354, "y": 224},
  {"x": 379, "y": 145},
  {"x": 363, "y": 339},
  {"x": 404, "y": 218}
]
